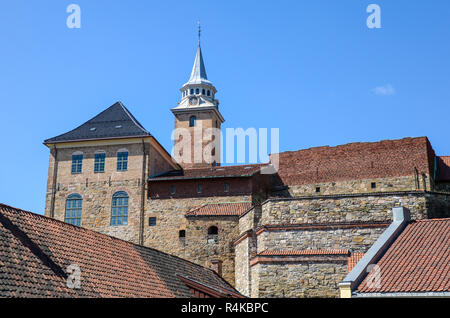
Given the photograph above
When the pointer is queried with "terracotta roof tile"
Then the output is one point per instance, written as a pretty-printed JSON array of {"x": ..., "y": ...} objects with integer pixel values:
[
  {"x": 388, "y": 158},
  {"x": 221, "y": 209},
  {"x": 353, "y": 260},
  {"x": 417, "y": 261},
  {"x": 35, "y": 252}
]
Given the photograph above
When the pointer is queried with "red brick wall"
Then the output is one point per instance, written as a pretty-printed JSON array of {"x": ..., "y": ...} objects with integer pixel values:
[{"x": 390, "y": 158}]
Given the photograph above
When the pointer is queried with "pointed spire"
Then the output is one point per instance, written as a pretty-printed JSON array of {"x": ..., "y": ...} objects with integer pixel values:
[{"x": 198, "y": 74}]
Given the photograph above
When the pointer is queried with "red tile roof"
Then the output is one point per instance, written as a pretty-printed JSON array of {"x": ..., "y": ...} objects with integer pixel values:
[
  {"x": 389, "y": 158},
  {"x": 443, "y": 168},
  {"x": 417, "y": 261},
  {"x": 35, "y": 252},
  {"x": 303, "y": 252},
  {"x": 221, "y": 209},
  {"x": 210, "y": 172},
  {"x": 353, "y": 260}
]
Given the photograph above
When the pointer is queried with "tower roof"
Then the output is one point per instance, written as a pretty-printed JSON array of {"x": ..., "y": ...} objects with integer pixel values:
[
  {"x": 114, "y": 122},
  {"x": 198, "y": 74}
]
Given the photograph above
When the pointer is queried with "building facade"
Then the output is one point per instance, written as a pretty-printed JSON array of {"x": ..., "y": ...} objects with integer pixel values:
[{"x": 289, "y": 234}]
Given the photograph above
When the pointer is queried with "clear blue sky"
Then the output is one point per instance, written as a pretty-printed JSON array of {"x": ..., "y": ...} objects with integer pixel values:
[{"x": 311, "y": 68}]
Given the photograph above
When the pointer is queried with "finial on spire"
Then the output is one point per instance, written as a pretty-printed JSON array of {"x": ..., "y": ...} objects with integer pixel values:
[{"x": 199, "y": 31}]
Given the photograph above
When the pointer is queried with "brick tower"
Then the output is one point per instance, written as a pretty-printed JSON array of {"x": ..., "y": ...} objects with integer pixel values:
[{"x": 197, "y": 120}]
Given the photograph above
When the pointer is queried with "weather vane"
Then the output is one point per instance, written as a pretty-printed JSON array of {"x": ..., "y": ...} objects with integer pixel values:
[{"x": 199, "y": 31}]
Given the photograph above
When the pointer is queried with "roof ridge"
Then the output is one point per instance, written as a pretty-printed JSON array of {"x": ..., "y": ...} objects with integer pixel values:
[
  {"x": 430, "y": 220},
  {"x": 135, "y": 121}
]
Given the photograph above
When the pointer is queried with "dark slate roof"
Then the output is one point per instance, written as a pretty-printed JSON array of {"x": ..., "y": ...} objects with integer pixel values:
[
  {"x": 114, "y": 122},
  {"x": 209, "y": 172},
  {"x": 35, "y": 252}
]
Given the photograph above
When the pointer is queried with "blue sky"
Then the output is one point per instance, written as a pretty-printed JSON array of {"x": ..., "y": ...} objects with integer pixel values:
[{"x": 311, "y": 68}]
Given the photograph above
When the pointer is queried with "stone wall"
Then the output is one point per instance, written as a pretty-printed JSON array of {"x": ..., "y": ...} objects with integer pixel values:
[
  {"x": 342, "y": 208},
  {"x": 97, "y": 188},
  {"x": 170, "y": 219},
  {"x": 407, "y": 183},
  {"x": 201, "y": 248},
  {"x": 298, "y": 279},
  {"x": 357, "y": 238}
]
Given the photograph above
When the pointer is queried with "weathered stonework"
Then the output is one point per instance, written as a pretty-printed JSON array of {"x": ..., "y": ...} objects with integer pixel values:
[{"x": 298, "y": 280}]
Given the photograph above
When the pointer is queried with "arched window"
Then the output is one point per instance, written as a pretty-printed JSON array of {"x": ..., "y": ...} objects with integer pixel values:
[
  {"x": 197, "y": 91},
  {"x": 192, "y": 121},
  {"x": 203, "y": 91},
  {"x": 74, "y": 204},
  {"x": 208, "y": 93},
  {"x": 119, "y": 208},
  {"x": 192, "y": 91}
]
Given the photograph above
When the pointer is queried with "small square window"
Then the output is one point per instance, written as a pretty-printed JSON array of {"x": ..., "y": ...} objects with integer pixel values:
[
  {"x": 373, "y": 185},
  {"x": 317, "y": 189},
  {"x": 199, "y": 188},
  {"x": 151, "y": 221},
  {"x": 182, "y": 234}
]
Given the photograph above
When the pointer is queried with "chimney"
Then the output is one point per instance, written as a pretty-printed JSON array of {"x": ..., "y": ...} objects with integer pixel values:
[{"x": 216, "y": 265}]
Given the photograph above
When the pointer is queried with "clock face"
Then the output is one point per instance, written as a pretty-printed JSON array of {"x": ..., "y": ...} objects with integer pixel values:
[{"x": 193, "y": 101}]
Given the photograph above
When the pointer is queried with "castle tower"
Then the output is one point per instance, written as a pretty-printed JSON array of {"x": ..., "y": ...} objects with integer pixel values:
[{"x": 197, "y": 120}]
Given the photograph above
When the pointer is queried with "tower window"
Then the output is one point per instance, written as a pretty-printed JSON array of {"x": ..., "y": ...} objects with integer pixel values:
[
  {"x": 152, "y": 221},
  {"x": 182, "y": 234},
  {"x": 119, "y": 208},
  {"x": 99, "y": 162},
  {"x": 73, "y": 209},
  {"x": 199, "y": 188},
  {"x": 373, "y": 185},
  {"x": 227, "y": 187},
  {"x": 208, "y": 93},
  {"x": 192, "y": 91},
  {"x": 77, "y": 163},
  {"x": 197, "y": 91},
  {"x": 122, "y": 161},
  {"x": 192, "y": 121},
  {"x": 203, "y": 92}
]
